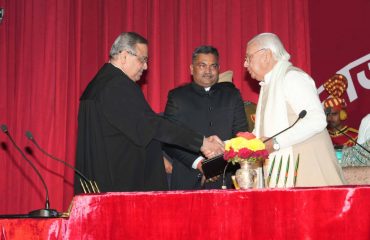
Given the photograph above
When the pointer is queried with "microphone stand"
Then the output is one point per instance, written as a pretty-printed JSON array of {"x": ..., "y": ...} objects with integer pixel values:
[
  {"x": 301, "y": 115},
  {"x": 40, "y": 213},
  {"x": 327, "y": 112},
  {"x": 223, "y": 177},
  {"x": 350, "y": 138},
  {"x": 85, "y": 183},
  {"x": 261, "y": 180}
]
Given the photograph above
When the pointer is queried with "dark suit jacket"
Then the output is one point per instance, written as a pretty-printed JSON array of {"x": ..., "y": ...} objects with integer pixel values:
[
  {"x": 220, "y": 111},
  {"x": 119, "y": 135}
]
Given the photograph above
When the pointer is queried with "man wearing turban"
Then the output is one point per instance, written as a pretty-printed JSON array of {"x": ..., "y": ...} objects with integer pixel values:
[{"x": 335, "y": 109}]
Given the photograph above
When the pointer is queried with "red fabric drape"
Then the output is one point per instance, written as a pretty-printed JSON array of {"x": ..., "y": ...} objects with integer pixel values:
[
  {"x": 33, "y": 229},
  {"x": 301, "y": 213},
  {"x": 50, "y": 50}
]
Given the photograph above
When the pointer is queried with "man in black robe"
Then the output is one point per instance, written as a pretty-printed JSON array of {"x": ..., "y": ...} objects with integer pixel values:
[{"x": 119, "y": 135}]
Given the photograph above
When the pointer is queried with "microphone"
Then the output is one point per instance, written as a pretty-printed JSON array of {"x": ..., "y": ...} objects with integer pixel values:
[
  {"x": 84, "y": 184},
  {"x": 327, "y": 112},
  {"x": 41, "y": 213},
  {"x": 223, "y": 177},
  {"x": 301, "y": 115}
]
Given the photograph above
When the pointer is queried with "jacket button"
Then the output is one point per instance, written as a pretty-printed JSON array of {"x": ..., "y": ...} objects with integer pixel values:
[
  {"x": 210, "y": 108},
  {"x": 211, "y": 124}
]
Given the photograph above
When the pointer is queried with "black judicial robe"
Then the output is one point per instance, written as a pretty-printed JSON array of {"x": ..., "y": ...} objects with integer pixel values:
[{"x": 119, "y": 136}]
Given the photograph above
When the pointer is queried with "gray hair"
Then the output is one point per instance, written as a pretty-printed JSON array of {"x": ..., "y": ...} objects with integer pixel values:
[
  {"x": 205, "y": 49},
  {"x": 271, "y": 41},
  {"x": 126, "y": 41}
]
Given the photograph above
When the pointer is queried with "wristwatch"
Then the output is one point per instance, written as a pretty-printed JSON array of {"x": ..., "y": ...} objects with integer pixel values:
[{"x": 276, "y": 145}]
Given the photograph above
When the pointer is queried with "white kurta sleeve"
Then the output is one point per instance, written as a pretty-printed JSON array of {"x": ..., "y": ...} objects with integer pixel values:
[
  {"x": 364, "y": 130},
  {"x": 301, "y": 94}
]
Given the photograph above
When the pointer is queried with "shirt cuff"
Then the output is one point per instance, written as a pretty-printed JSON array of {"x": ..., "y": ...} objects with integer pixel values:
[{"x": 195, "y": 163}]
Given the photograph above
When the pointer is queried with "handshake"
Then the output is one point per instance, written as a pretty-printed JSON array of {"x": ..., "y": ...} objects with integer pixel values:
[{"x": 212, "y": 146}]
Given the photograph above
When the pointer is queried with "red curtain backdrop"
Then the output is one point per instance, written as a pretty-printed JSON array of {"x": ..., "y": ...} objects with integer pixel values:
[
  {"x": 50, "y": 50},
  {"x": 340, "y": 40}
]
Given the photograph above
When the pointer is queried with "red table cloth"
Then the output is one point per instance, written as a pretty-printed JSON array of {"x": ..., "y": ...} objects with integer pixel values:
[
  {"x": 32, "y": 228},
  {"x": 305, "y": 213}
]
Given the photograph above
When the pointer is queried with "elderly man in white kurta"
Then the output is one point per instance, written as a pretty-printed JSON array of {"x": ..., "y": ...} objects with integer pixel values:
[{"x": 285, "y": 92}]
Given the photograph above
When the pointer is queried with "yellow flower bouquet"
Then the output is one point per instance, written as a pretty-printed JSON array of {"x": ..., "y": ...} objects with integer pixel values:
[{"x": 245, "y": 147}]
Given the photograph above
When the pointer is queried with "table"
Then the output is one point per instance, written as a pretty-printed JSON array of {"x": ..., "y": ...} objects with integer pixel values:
[{"x": 300, "y": 213}]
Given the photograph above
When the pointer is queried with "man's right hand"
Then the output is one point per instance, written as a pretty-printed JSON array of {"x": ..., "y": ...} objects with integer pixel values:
[{"x": 212, "y": 146}]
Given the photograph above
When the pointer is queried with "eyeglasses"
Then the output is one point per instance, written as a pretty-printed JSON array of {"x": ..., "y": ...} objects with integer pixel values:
[
  {"x": 203, "y": 66},
  {"x": 249, "y": 57},
  {"x": 143, "y": 60}
]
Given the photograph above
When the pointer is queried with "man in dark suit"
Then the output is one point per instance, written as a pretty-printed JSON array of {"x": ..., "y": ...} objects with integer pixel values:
[
  {"x": 119, "y": 135},
  {"x": 204, "y": 106}
]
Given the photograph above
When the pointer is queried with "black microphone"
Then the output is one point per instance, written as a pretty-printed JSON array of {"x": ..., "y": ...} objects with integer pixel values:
[
  {"x": 301, "y": 115},
  {"x": 84, "y": 184},
  {"x": 42, "y": 213},
  {"x": 327, "y": 112}
]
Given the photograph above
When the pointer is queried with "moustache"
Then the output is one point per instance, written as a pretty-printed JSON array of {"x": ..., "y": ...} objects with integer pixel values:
[{"x": 208, "y": 75}]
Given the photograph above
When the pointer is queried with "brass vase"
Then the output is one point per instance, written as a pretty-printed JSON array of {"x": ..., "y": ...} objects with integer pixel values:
[{"x": 246, "y": 176}]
